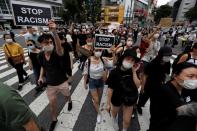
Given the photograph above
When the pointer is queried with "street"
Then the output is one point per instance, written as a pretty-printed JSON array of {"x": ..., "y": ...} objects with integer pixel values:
[{"x": 83, "y": 115}]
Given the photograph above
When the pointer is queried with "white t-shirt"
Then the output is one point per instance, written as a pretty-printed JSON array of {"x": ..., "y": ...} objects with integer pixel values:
[{"x": 69, "y": 38}]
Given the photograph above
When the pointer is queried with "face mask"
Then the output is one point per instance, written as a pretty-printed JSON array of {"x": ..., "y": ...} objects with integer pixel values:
[
  {"x": 110, "y": 63},
  {"x": 89, "y": 43},
  {"x": 83, "y": 30},
  {"x": 156, "y": 36},
  {"x": 48, "y": 48},
  {"x": 126, "y": 65},
  {"x": 129, "y": 43},
  {"x": 190, "y": 84},
  {"x": 98, "y": 54},
  {"x": 31, "y": 47},
  {"x": 34, "y": 33},
  {"x": 166, "y": 59},
  {"x": 9, "y": 40}
]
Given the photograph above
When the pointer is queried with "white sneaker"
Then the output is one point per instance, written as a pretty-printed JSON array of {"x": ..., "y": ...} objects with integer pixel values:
[
  {"x": 115, "y": 124},
  {"x": 99, "y": 118}
]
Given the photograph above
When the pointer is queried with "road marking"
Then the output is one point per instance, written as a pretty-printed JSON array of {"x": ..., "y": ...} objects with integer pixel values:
[
  {"x": 3, "y": 57},
  {"x": 8, "y": 72},
  {"x": 14, "y": 80},
  {"x": 4, "y": 67},
  {"x": 144, "y": 119},
  {"x": 106, "y": 123},
  {"x": 4, "y": 61},
  {"x": 66, "y": 119},
  {"x": 40, "y": 103},
  {"x": 26, "y": 89}
]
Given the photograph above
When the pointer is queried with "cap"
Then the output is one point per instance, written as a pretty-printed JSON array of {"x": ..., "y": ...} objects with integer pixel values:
[
  {"x": 132, "y": 53},
  {"x": 165, "y": 51}
]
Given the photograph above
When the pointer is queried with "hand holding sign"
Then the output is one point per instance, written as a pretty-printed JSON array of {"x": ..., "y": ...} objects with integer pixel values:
[{"x": 52, "y": 25}]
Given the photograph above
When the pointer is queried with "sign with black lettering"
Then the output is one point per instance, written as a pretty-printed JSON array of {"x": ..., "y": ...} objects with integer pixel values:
[
  {"x": 104, "y": 41},
  {"x": 31, "y": 15}
]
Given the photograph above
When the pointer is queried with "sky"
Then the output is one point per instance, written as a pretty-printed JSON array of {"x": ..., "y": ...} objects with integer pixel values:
[{"x": 162, "y": 2}]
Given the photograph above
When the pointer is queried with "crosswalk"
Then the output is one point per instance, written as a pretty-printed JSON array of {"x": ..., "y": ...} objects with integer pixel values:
[{"x": 81, "y": 118}]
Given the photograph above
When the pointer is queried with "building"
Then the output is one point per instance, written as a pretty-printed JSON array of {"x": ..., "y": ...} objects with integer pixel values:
[
  {"x": 185, "y": 5},
  {"x": 112, "y": 11},
  {"x": 6, "y": 17}
]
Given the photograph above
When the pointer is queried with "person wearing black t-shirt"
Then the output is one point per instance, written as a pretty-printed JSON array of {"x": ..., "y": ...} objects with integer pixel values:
[
  {"x": 33, "y": 61},
  {"x": 82, "y": 36},
  {"x": 51, "y": 60},
  {"x": 154, "y": 76},
  {"x": 123, "y": 83},
  {"x": 173, "y": 110}
]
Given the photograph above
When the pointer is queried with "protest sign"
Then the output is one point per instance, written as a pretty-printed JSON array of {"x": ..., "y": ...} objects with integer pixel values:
[
  {"x": 26, "y": 15},
  {"x": 104, "y": 41},
  {"x": 165, "y": 22}
]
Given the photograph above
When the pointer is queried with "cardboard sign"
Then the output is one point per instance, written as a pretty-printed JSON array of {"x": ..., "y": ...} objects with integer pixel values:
[
  {"x": 31, "y": 15},
  {"x": 104, "y": 41},
  {"x": 165, "y": 22}
]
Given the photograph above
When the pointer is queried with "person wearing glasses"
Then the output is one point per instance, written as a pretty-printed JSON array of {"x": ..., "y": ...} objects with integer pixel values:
[{"x": 33, "y": 61}]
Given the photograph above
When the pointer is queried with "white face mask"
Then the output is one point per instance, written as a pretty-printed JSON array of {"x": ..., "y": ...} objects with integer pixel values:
[
  {"x": 98, "y": 54},
  {"x": 48, "y": 48},
  {"x": 127, "y": 65},
  {"x": 8, "y": 40},
  {"x": 31, "y": 47},
  {"x": 129, "y": 43},
  {"x": 83, "y": 30},
  {"x": 89, "y": 43},
  {"x": 166, "y": 58},
  {"x": 190, "y": 84},
  {"x": 110, "y": 63},
  {"x": 156, "y": 36}
]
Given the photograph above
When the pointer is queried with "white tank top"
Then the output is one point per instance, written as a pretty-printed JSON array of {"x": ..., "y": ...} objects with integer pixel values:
[{"x": 96, "y": 70}]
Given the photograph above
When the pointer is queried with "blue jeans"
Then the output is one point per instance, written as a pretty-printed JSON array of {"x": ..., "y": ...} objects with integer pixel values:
[{"x": 95, "y": 84}]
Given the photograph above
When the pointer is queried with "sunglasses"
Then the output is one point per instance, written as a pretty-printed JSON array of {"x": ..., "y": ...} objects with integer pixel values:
[{"x": 29, "y": 44}]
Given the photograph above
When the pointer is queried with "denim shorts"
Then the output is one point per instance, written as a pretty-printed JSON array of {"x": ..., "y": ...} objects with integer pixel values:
[{"x": 95, "y": 84}]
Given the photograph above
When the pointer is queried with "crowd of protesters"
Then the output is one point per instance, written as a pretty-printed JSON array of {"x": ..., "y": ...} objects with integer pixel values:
[{"x": 138, "y": 67}]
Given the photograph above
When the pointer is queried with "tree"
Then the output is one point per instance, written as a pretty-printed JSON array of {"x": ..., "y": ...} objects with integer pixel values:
[
  {"x": 191, "y": 14},
  {"x": 162, "y": 11}
]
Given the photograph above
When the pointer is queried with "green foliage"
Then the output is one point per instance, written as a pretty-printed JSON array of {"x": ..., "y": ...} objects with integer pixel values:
[
  {"x": 81, "y": 10},
  {"x": 191, "y": 14},
  {"x": 162, "y": 11}
]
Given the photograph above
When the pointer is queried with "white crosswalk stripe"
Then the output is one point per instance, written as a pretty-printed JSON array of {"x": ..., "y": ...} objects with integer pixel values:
[{"x": 66, "y": 120}]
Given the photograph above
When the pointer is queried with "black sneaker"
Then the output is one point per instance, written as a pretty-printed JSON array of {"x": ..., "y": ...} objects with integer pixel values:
[
  {"x": 52, "y": 126},
  {"x": 70, "y": 106},
  {"x": 139, "y": 110},
  {"x": 26, "y": 78},
  {"x": 20, "y": 86}
]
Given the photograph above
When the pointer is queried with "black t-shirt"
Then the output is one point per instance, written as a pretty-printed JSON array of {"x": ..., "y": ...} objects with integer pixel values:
[
  {"x": 163, "y": 109},
  {"x": 55, "y": 73},
  {"x": 156, "y": 73},
  {"x": 34, "y": 60},
  {"x": 122, "y": 83},
  {"x": 74, "y": 37},
  {"x": 82, "y": 39}
]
